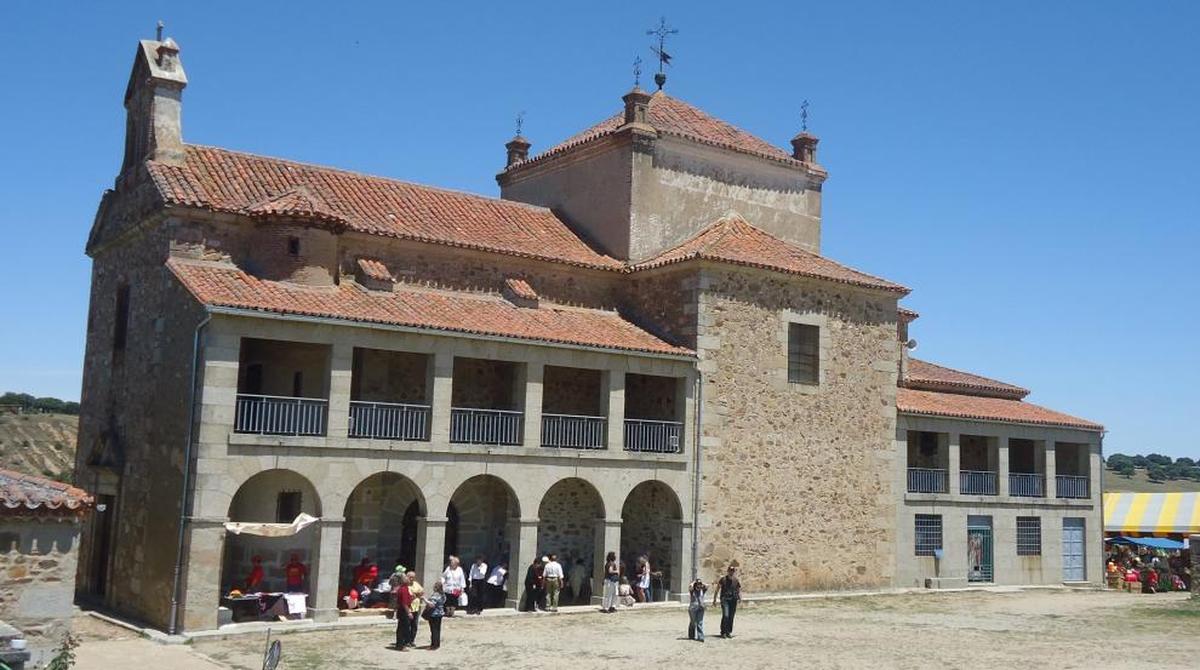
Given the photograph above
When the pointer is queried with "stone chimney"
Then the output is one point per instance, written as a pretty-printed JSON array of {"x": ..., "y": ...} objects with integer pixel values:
[
  {"x": 153, "y": 103},
  {"x": 804, "y": 147},
  {"x": 518, "y": 150},
  {"x": 637, "y": 107}
]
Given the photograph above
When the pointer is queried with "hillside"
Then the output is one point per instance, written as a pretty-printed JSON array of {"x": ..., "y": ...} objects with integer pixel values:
[
  {"x": 1140, "y": 483},
  {"x": 39, "y": 444}
]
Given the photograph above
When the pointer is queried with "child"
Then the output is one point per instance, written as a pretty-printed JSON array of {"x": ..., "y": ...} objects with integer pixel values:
[{"x": 625, "y": 593}]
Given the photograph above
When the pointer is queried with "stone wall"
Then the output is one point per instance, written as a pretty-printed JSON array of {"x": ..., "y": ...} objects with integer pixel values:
[
  {"x": 796, "y": 479},
  {"x": 483, "y": 510},
  {"x": 652, "y": 397},
  {"x": 390, "y": 376},
  {"x": 567, "y": 525},
  {"x": 37, "y": 577},
  {"x": 572, "y": 391},
  {"x": 280, "y": 362},
  {"x": 375, "y": 527},
  {"x": 649, "y": 523},
  {"x": 486, "y": 384}
]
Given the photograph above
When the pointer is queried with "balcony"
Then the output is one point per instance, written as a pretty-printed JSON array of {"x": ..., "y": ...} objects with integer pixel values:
[
  {"x": 1026, "y": 485},
  {"x": 648, "y": 435},
  {"x": 280, "y": 415},
  {"x": 388, "y": 421},
  {"x": 978, "y": 482},
  {"x": 928, "y": 480},
  {"x": 574, "y": 431},
  {"x": 485, "y": 426},
  {"x": 1071, "y": 486}
]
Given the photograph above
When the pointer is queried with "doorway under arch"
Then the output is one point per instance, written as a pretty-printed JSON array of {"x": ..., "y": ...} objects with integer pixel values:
[{"x": 651, "y": 526}]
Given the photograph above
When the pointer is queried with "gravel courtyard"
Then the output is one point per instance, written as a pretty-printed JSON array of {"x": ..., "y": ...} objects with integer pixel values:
[{"x": 1027, "y": 629}]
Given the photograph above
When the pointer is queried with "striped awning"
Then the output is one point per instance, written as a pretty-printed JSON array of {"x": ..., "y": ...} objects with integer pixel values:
[{"x": 1157, "y": 513}]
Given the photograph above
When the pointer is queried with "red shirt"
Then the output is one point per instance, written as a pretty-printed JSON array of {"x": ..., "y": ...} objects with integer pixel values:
[
  {"x": 295, "y": 574},
  {"x": 406, "y": 598}
]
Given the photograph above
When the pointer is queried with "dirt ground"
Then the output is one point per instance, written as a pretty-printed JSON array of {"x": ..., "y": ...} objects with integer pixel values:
[{"x": 1027, "y": 629}]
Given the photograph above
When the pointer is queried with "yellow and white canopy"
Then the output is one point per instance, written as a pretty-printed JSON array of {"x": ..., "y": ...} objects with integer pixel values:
[{"x": 1152, "y": 513}]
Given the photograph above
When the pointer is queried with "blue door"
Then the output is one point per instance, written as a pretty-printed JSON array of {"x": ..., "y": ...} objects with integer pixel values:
[{"x": 1074, "y": 548}]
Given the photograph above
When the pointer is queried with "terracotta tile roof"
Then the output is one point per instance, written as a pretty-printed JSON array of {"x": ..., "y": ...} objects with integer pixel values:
[
  {"x": 25, "y": 494},
  {"x": 520, "y": 288},
  {"x": 672, "y": 116},
  {"x": 228, "y": 181},
  {"x": 733, "y": 240},
  {"x": 956, "y": 405},
  {"x": 906, "y": 313},
  {"x": 932, "y": 377},
  {"x": 375, "y": 269},
  {"x": 219, "y": 284}
]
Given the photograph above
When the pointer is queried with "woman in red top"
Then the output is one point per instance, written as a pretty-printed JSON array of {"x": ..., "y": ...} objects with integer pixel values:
[{"x": 295, "y": 572}]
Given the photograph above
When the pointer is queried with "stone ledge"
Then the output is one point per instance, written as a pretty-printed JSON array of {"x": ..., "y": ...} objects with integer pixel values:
[{"x": 999, "y": 501}]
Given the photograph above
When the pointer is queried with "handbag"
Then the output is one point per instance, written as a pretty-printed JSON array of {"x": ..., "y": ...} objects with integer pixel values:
[{"x": 427, "y": 612}]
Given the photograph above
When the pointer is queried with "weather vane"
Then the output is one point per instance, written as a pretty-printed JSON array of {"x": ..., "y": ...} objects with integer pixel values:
[
  {"x": 637, "y": 71},
  {"x": 158, "y": 32},
  {"x": 664, "y": 58},
  {"x": 520, "y": 121},
  {"x": 804, "y": 116}
]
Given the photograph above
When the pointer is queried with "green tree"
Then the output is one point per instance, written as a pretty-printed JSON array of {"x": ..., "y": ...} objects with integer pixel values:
[
  {"x": 1158, "y": 459},
  {"x": 1157, "y": 473},
  {"x": 1126, "y": 469},
  {"x": 1118, "y": 461}
]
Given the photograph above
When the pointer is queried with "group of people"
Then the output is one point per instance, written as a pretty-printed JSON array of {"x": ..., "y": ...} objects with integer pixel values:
[
  {"x": 548, "y": 584},
  {"x": 412, "y": 605},
  {"x": 728, "y": 593},
  {"x": 1148, "y": 570}
]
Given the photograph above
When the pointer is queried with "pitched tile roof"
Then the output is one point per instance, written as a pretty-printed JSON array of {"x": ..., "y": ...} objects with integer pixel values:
[
  {"x": 520, "y": 288},
  {"x": 25, "y": 494},
  {"x": 933, "y": 377},
  {"x": 375, "y": 269},
  {"x": 228, "y": 181},
  {"x": 733, "y": 240},
  {"x": 219, "y": 284},
  {"x": 956, "y": 405},
  {"x": 672, "y": 116}
]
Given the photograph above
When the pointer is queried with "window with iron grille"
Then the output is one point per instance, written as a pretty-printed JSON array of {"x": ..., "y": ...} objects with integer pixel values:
[
  {"x": 1029, "y": 536},
  {"x": 804, "y": 353},
  {"x": 929, "y": 534}
]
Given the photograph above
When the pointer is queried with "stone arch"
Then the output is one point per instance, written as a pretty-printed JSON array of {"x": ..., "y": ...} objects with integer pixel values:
[
  {"x": 651, "y": 526},
  {"x": 569, "y": 517},
  {"x": 268, "y": 497},
  {"x": 483, "y": 509},
  {"x": 381, "y": 518}
]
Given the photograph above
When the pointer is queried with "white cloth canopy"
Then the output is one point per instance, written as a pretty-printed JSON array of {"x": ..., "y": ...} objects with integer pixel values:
[{"x": 271, "y": 529}]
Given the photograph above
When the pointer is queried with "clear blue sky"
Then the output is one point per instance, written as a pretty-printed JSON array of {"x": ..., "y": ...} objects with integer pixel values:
[{"x": 1029, "y": 168}]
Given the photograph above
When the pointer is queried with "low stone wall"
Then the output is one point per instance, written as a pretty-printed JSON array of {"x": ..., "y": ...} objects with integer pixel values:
[{"x": 37, "y": 578}]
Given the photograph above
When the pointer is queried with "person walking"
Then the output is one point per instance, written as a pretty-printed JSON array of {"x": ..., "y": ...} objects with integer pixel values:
[
  {"x": 612, "y": 575},
  {"x": 696, "y": 610},
  {"x": 729, "y": 591},
  {"x": 477, "y": 586},
  {"x": 454, "y": 582},
  {"x": 435, "y": 609},
  {"x": 403, "y": 614},
  {"x": 553, "y": 576}
]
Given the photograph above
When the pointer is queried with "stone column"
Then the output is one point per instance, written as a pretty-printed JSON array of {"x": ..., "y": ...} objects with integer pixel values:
[
  {"x": 532, "y": 404},
  {"x": 681, "y": 572},
  {"x": 203, "y": 551},
  {"x": 341, "y": 362},
  {"x": 431, "y": 549},
  {"x": 325, "y": 572},
  {"x": 1002, "y": 466},
  {"x": 524, "y": 549},
  {"x": 616, "y": 411},
  {"x": 1051, "y": 470},
  {"x": 608, "y": 538},
  {"x": 443, "y": 381},
  {"x": 952, "y": 441}
]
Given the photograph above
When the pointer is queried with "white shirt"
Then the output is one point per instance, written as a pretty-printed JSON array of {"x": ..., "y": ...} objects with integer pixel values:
[
  {"x": 553, "y": 569},
  {"x": 644, "y": 578},
  {"x": 497, "y": 576},
  {"x": 478, "y": 571},
  {"x": 453, "y": 579}
]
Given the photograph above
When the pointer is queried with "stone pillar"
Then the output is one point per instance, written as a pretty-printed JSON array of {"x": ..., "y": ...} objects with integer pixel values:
[
  {"x": 681, "y": 572},
  {"x": 1194, "y": 546},
  {"x": 616, "y": 411},
  {"x": 532, "y": 404},
  {"x": 443, "y": 381},
  {"x": 203, "y": 551},
  {"x": 952, "y": 441},
  {"x": 1051, "y": 470},
  {"x": 608, "y": 538},
  {"x": 324, "y": 575},
  {"x": 431, "y": 549},
  {"x": 524, "y": 549},
  {"x": 341, "y": 364},
  {"x": 1095, "y": 469},
  {"x": 1002, "y": 466}
]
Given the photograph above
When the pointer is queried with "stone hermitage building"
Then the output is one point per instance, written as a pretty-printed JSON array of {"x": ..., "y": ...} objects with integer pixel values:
[{"x": 638, "y": 347}]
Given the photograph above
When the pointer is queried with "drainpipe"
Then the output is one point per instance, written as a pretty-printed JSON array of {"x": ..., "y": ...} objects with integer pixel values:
[
  {"x": 173, "y": 622},
  {"x": 696, "y": 472}
]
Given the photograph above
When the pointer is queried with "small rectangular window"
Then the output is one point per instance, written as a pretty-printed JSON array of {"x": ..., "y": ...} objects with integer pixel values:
[
  {"x": 293, "y": 246},
  {"x": 804, "y": 353},
  {"x": 121, "y": 318},
  {"x": 1029, "y": 536},
  {"x": 287, "y": 506},
  {"x": 928, "y": 534}
]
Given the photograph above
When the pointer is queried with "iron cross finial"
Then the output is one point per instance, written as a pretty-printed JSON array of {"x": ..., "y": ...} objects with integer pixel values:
[
  {"x": 520, "y": 121},
  {"x": 637, "y": 71},
  {"x": 158, "y": 31},
  {"x": 662, "y": 32},
  {"x": 804, "y": 116}
]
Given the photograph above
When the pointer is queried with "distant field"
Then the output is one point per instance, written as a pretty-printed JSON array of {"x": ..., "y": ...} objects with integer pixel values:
[
  {"x": 39, "y": 444},
  {"x": 1140, "y": 483}
]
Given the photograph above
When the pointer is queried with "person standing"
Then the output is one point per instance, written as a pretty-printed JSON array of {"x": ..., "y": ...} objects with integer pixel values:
[
  {"x": 416, "y": 593},
  {"x": 436, "y": 604},
  {"x": 530, "y": 603},
  {"x": 696, "y": 610},
  {"x": 643, "y": 580},
  {"x": 577, "y": 579},
  {"x": 729, "y": 591},
  {"x": 477, "y": 586},
  {"x": 454, "y": 582},
  {"x": 403, "y": 614},
  {"x": 612, "y": 575},
  {"x": 496, "y": 583},
  {"x": 553, "y": 575}
]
